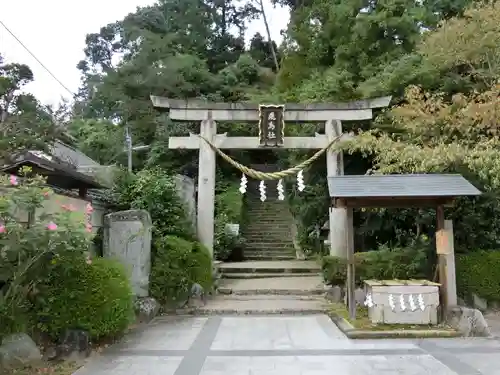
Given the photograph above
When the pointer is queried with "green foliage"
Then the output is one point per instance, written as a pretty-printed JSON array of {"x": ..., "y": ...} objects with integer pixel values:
[
  {"x": 99, "y": 139},
  {"x": 96, "y": 297},
  {"x": 228, "y": 210},
  {"x": 338, "y": 45},
  {"x": 177, "y": 265},
  {"x": 24, "y": 122},
  {"x": 29, "y": 250},
  {"x": 310, "y": 207},
  {"x": 382, "y": 264},
  {"x": 154, "y": 190},
  {"x": 479, "y": 273}
]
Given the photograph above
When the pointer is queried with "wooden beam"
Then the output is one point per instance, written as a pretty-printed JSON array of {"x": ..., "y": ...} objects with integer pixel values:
[
  {"x": 222, "y": 141},
  {"x": 392, "y": 202}
]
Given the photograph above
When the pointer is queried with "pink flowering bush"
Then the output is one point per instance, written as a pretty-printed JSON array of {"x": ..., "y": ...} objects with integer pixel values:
[{"x": 31, "y": 242}]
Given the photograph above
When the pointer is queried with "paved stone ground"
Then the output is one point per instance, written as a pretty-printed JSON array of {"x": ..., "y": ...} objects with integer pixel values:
[
  {"x": 493, "y": 320},
  {"x": 285, "y": 345}
]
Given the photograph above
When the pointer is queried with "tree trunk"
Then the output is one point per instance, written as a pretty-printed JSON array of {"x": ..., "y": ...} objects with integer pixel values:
[{"x": 275, "y": 58}]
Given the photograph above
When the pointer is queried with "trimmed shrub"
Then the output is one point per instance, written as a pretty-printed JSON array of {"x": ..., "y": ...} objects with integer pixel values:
[
  {"x": 479, "y": 273},
  {"x": 178, "y": 264},
  {"x": 383, "y": 264},
  {"x": 95, "y": 297},
  {"x": 228, "y": 209}
]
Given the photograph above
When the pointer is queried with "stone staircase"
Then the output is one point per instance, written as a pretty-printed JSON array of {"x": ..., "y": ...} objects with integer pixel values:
[
  {"x": 268, "y": 227},
  {"x": 269, "y": 250}
]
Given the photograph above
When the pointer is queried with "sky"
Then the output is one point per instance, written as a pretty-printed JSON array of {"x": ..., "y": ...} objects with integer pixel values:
[{"x": 54, "y": 31}]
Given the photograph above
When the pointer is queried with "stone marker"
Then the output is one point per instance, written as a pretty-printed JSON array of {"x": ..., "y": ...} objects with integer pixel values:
[
  {"x": 127, "y": 237},
  {"x": 146, "y": 309},
  {"x": 469, "y": 322},
  {"x": 334, "y": 294},
  {"x": 18, "y": 350}
]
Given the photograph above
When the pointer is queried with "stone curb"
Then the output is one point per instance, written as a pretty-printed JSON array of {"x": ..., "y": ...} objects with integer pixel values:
[{"x": 354, "y": 333}]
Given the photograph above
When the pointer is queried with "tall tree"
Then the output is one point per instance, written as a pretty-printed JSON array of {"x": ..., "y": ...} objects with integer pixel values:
[
  {"x": 178, "y": 49},
  {"x": 24, "y": 122}
]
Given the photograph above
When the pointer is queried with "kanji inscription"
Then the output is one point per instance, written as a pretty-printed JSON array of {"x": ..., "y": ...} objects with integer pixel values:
[{"x": 271, "y": 125}]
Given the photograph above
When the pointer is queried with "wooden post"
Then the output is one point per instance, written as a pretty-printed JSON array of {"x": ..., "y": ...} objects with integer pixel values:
[
  {"x": 441, "y": 249},
  {"x": 451, "y": 281},
  {"x": 351, "y": 280}
]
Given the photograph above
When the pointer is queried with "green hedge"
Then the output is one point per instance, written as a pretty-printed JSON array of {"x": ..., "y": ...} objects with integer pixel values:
[
  {"x": 379, "y": 265},
  {"x": 479, "y": 273},
  {"x": 228, "y": 209},
  {"x": 178, "y": 264},
  {"x": 96, "y": 297}
]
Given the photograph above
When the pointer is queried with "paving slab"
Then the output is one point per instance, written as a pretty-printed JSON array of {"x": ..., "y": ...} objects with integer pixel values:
[{"x": 277, "y": 345}]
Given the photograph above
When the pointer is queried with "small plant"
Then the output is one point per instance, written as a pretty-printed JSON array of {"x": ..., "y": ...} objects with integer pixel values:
[{"x": 382, "y": 264}]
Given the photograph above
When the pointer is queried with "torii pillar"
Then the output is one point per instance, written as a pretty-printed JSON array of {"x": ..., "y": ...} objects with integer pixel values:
[{"x": 209, "y": 112}]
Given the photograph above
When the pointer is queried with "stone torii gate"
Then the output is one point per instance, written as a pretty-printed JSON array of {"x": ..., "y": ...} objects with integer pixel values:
[{"x": 208, "y": 113}]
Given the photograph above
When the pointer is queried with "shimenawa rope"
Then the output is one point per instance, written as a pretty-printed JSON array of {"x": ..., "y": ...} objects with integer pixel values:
[{"x": 273, "y": 175}]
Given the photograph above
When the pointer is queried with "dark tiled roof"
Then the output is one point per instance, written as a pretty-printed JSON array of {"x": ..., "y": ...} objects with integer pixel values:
[
  {"x": 409, "y": 185},
  {"x": 72, "y": 178}
]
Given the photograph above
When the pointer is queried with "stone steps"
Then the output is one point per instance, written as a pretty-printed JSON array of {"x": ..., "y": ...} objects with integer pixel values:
[
  {"x": 261, "y": 219},
  {"x": 269, "y": 227},
  {"x": 258, "y": 269},
  {"x": 254, "y": 256},
  {"x": 267, "y": 275},
  {"x": 268, "y": 271},
  {"x": 265, "y": 231},
  {"x": 269, "y": 251},
  {"x": 275, "y": 295},
  {"x": 268, "y": 306},
  {"x": 269, "y": 246},
  {"x": 265, "y": 215},
  {"x": 271, "y": 241}
]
